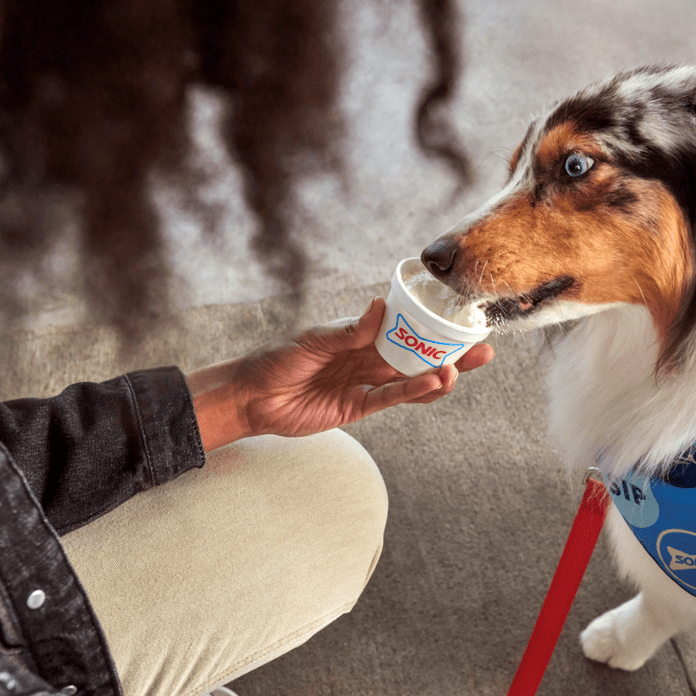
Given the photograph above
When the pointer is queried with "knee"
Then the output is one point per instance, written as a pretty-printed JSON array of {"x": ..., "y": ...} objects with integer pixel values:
[
  {"x": 350, "y": 495},
  {"x": 341, "y": 459},
  {"x": 318, "y": 502},
  {"x": 354, "y": 504}
]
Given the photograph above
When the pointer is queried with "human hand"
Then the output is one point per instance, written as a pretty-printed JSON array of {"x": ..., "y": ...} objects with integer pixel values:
[{"x": 326, "y": 377}]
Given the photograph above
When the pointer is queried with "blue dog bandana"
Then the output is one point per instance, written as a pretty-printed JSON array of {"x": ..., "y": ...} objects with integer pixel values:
[{"x": 661, "y": 512}]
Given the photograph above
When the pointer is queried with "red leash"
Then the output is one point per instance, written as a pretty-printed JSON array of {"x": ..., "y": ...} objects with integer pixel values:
[{"x": 574, "y": 559}]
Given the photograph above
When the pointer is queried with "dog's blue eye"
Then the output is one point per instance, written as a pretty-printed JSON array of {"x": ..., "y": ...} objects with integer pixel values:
[{"x": 578, "y": 164}]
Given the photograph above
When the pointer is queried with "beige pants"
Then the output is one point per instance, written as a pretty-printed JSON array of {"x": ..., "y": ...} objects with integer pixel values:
[{"x": 220, "y": 571}]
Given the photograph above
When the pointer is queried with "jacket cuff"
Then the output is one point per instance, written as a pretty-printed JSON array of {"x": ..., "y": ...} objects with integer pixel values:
[{"x": 164, "y": 409}]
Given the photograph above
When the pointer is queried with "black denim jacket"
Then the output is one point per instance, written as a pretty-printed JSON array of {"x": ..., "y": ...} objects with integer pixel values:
[{"x": 64, "y": 462}]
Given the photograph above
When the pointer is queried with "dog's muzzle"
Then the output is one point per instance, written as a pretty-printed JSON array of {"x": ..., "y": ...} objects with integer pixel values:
[{"x": 443, "y": 258}]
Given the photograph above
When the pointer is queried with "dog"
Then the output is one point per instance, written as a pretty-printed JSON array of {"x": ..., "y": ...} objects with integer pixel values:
[{"x": 593, "y": 239}]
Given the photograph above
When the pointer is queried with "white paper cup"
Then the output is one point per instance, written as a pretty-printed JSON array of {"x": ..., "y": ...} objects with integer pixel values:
[{"x": 413, "y": 339}]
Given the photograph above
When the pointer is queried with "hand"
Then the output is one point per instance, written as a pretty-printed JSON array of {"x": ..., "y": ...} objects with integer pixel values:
[{"x": 325, "y": 377}]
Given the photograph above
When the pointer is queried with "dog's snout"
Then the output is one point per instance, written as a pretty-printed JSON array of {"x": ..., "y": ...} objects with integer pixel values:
[{"x": 440, "y": 257}]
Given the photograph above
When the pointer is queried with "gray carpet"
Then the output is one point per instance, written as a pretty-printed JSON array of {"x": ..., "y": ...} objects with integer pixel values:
[{"x": 479, "y": 513}]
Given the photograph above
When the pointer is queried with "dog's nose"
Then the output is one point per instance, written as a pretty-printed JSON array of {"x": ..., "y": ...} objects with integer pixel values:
[{"x": 439, "y": 258}]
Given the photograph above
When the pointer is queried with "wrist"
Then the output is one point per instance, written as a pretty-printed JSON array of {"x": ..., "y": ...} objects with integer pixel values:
[{"x": 219, "y": 405}]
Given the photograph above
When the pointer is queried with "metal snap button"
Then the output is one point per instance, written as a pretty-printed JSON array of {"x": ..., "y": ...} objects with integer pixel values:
[
  {"x": 69, "y": 690},
  {"x": 36, "y": 599}
]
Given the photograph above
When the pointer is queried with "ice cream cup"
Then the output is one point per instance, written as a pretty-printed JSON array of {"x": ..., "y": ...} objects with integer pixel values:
[{"x": 412, "y": 338}]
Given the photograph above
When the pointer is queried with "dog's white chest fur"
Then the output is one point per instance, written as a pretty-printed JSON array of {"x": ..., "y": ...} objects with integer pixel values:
[{"x": 604, "y": 399}]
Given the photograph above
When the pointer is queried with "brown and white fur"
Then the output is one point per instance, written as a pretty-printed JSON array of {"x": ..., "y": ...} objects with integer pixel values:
[{"x": 596, "y": 226}]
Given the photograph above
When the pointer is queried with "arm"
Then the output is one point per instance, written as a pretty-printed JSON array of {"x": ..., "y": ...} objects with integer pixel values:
[
  {"x": 326, "y": 377},
  {"x": 89, "y": 449}
]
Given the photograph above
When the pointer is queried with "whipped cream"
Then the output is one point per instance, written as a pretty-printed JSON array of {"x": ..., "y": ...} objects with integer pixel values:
[{"x": 443, "y": 301}]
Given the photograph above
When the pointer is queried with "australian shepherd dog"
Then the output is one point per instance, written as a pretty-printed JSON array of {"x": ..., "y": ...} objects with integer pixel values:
[{"x": 595, "y": 233}]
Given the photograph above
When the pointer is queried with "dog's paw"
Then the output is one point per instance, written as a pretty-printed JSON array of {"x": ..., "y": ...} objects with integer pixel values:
[{"x": 620, "y": 637}]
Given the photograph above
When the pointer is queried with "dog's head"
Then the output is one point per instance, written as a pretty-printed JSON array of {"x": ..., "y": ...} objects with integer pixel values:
[{"x": 599, "y": 209}]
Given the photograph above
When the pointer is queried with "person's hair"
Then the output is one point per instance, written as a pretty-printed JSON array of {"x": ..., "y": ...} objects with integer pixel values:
[{"x": 93, "y": 100}]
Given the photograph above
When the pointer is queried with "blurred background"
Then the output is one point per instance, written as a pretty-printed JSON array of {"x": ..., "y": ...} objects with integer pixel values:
[
  {"x": 480, "y": 503},
  {"x": 394, "y": 201}
]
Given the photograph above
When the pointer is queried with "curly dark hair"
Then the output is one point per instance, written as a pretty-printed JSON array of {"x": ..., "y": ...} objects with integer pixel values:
[{"x": 93, "y": 100}]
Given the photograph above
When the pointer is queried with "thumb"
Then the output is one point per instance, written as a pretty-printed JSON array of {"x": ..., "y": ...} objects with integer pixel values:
[
  {"x": 353, "y": 332},
  {"x": 362, "y": 331},
  {"x": 349, "y": 333}
]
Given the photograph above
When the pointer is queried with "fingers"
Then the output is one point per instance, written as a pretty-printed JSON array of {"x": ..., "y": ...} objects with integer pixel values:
[
  {"x": 448, "y": 377},
  {"x": 429, "y": 387},
  {"x": 448, "y": 374},
  {"x": 478, "y": 356},
  {"x": 403, "y": 391}
]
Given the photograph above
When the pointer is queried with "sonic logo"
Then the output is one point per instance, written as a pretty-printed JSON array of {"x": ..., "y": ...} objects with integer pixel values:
[
  {"x": 418, "y": 345},
  {"x": 432, "y": 352},
  {"x": 681, "y": 560}
]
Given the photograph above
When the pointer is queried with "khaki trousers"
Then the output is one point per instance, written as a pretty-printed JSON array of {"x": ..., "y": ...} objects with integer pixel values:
[{"x": 227, "y": 567}]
